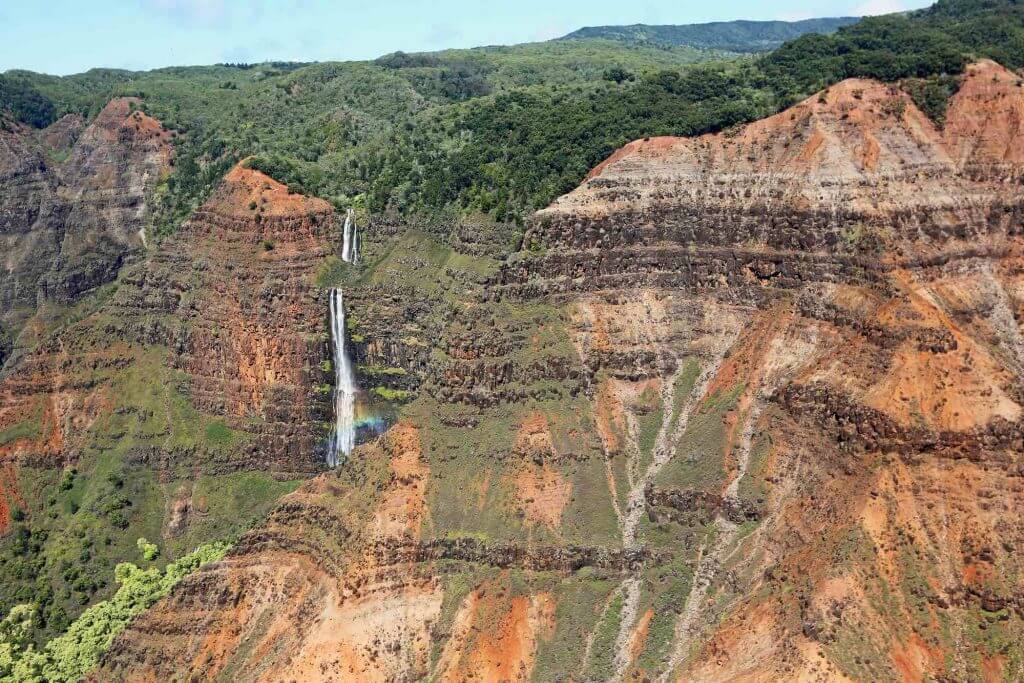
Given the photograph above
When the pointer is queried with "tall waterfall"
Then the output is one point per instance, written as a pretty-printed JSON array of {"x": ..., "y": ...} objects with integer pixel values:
[
  {"x": 350, "y": 239},
  {"x": 344, "y": 438}
]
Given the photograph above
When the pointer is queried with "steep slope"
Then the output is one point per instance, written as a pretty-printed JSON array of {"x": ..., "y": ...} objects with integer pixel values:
[
  {"x": 112, "y": 168},
  {"x": 74, "y": 203},
  {"x": 729, "y": 36},
  {"x": 31, "y": 226},
  {"x": 744, "y": 407},
  {"x": 176, "y": 404},
  {"x": 231, "y": 296}
]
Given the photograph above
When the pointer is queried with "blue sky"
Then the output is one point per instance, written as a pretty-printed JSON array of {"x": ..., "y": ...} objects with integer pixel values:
[{"x": 68, "y": 36}]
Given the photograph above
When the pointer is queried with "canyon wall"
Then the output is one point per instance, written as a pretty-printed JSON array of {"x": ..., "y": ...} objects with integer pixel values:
[
  {"x": 742, "y": 407},
  {"x": 73, "y": 204},
  {"x": 228, "y": 306},
  {"x": 176, "y": 403}
]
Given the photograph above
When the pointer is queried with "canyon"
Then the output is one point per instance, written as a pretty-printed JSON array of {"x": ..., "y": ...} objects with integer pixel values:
[{"x": 742, "y": 406}]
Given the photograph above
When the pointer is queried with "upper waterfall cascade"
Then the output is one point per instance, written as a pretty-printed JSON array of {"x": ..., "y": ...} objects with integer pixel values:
[{"x": 350, "y": 239}]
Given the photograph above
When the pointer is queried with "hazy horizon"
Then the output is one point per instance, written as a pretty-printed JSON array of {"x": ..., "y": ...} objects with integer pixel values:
[{"x": 64, "y": 37}]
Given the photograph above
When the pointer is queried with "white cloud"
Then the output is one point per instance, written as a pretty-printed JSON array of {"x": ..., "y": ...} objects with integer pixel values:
[{"x": 875, "y": 7}]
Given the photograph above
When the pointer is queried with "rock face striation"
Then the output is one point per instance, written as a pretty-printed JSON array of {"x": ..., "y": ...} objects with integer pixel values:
[
  {"x": 252, "y": 332},
  {"x": 227, "y": 312},
  {"x": 178, "y": 402},
  {"x": 742, "y": 407},
  {"x": 110, "y": 171},
  {"x": 73, "y": 203}
]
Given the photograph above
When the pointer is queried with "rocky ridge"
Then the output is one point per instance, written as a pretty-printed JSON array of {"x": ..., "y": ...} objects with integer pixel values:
[
  {"x": 744, "y": 406},
  {"x": 73, "y": 204},
  {"x": 229, "y": 302}
]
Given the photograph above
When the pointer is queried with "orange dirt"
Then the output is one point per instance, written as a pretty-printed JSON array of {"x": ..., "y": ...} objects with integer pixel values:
[
  {"x": 993, "y": 668},
  {"x": 118, "y": 115},
  {"x": 402, "y": 507},
  {"x": 533, "y": 438},
  {"x": 638, "y": 638},
  {"x": 913, "y": 658},
  {"x": 609, "y": 415},
  {"x": 954, "y": 390},
  {"x": 504, "y": 648},
  {"x": 542, "y": 493},
  {"x": 645, "y": 147},
  {"x": 980, "y": 127},
  {"x": 746, "y": 365},
  {"x": 247, "y": 193}
]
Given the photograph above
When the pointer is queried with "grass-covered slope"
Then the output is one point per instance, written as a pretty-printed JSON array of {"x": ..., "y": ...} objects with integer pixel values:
[{"x": 732, "y": 36}]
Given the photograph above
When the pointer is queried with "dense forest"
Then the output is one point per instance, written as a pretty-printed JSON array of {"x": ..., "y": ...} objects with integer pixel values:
[
  {"x": 732, "y": 36},
  {"x": 503, "y": 131}
]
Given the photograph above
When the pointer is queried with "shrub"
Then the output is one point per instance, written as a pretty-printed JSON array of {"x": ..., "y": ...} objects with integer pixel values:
[
  {"x": 67, "y": 480},
  {"x": 68, "y": 657},
  {"x": 149, "y": 551}
]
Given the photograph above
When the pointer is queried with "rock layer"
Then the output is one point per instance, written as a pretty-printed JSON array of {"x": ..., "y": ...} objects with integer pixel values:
[
  {"x": 73, "y": 206},
  {"x": 744, "y": 407},
  {"x": 229, "y": 304}
]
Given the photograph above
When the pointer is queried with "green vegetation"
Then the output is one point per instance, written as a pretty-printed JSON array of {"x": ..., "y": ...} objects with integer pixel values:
[
  {"x": 26, "y": 429},
  {"x": 389, "y": 394},
  {"x": 218, "y": 433},
  {"x": 931, "y": 95},
  {"x": 730, "y": 36},
  {"x": 331, "y": 272},
  {"x": 502, "y": 131},
  {"x": 602, "y": 653},
  {"x": 149, "y": 551},
  {"x": 381, "y": 371},
  {"x": 650, "y": 417},
  {"x": 25, "y": 103},
  {"x": 69, "y": 656},
  {"x": 82, "y": 521}
]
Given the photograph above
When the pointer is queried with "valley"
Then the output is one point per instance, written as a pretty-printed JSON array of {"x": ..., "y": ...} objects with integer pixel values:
[{"x": 731, "y": 391}]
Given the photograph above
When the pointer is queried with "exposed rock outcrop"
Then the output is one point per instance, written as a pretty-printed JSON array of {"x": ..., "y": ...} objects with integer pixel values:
[
  {"x": 229, "y": 302},
  {"x": 73, "y": 205},
  {"x": 113, "y": 166},
  {"x": 744, "y": 407}
]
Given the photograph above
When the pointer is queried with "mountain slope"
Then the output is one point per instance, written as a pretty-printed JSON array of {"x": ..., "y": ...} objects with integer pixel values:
[
  {"x": 728, "y": 36},
  {"x": 429, "y": 133},
  {"x": 767, "y": 424},
  {"x": 176, "y": 404},
  {"x": 725, "y": 390},
  {"x": 163, "y": 334}
]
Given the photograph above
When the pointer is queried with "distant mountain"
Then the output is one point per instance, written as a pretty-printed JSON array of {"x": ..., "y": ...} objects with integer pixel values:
[{"x": 732, "y": 36}]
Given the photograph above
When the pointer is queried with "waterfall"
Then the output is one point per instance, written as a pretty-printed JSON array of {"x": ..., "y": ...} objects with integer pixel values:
[
  {"x": 344, "y": 438},
  {"x": 355, "y": 237},
  {"x": 350, "y": 239}
]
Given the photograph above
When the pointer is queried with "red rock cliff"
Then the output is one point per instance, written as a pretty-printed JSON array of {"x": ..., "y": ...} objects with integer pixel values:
[{"x": 788, "y": 444}]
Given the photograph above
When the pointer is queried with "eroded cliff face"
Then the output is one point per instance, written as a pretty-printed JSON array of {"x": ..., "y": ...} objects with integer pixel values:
[
  {"x": 744, "y": 407},
  {"x": 31, "y": 225},
  {"x": 73, "y": 205},
  {"x": 251, "y": 324},
  {"x": 178, "y": 403},
  {"x": 226, "y": 315},
  {"x": 110, "y": 172}
]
